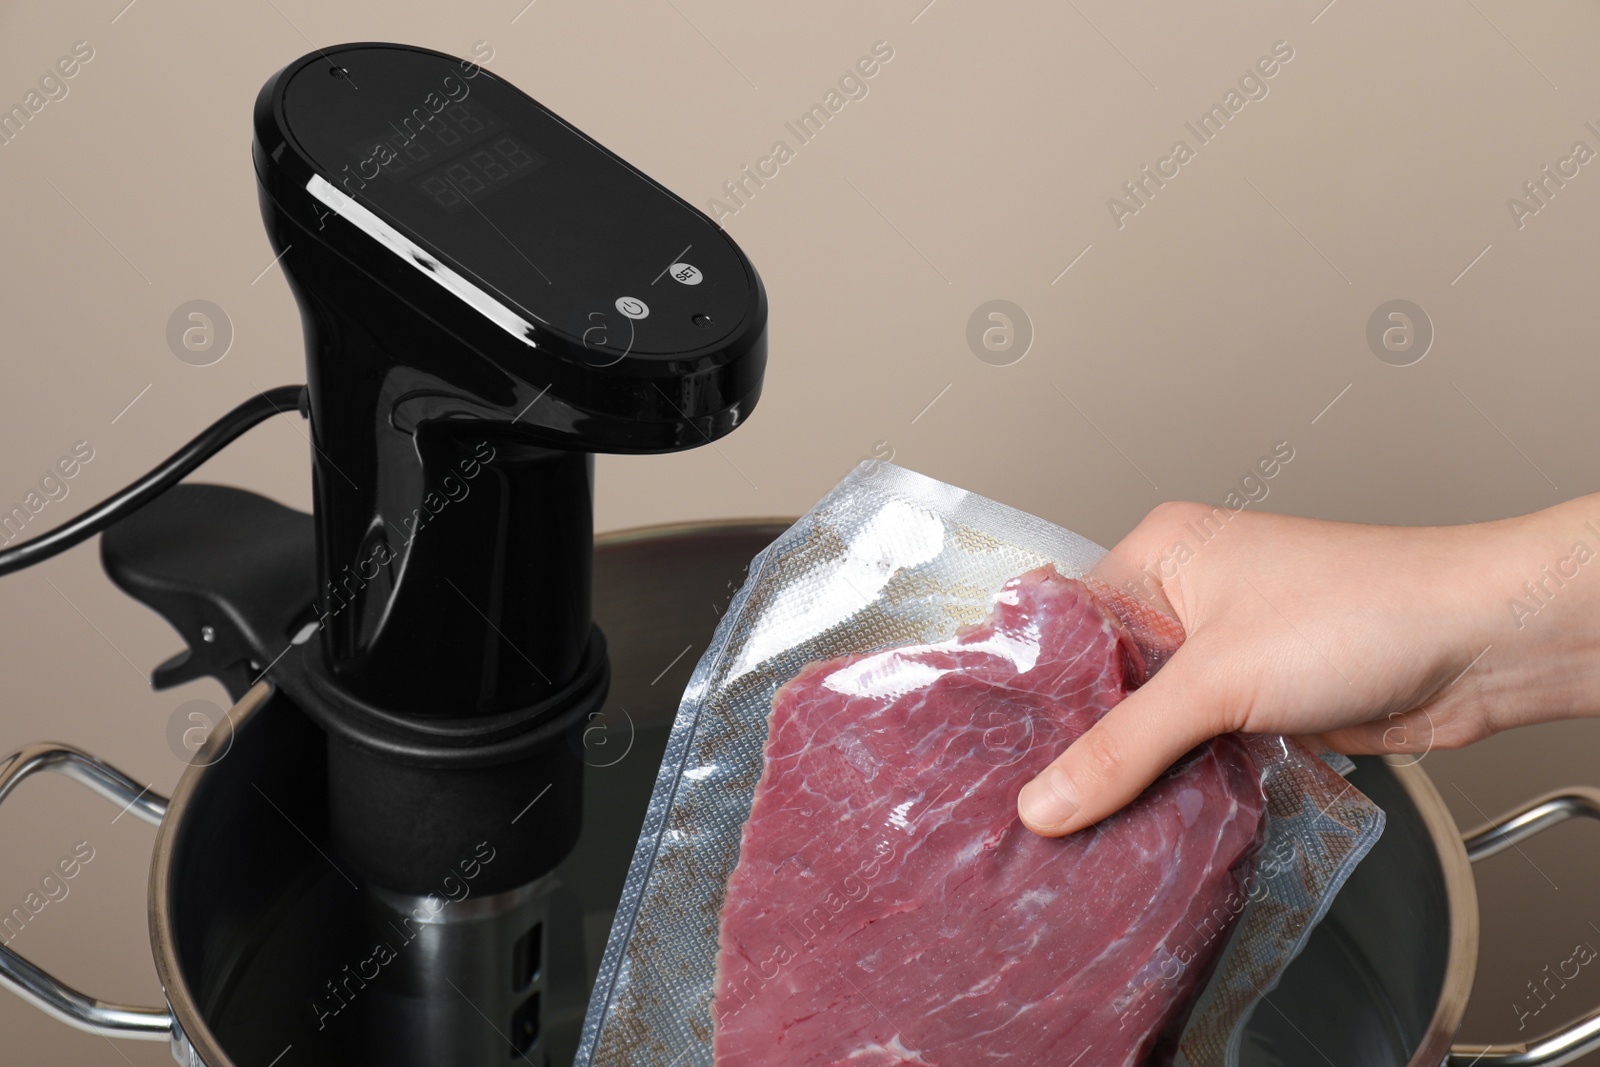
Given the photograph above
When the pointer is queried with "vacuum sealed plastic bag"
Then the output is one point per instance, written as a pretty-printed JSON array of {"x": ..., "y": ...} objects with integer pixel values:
[{"x": 832, "y": 870}]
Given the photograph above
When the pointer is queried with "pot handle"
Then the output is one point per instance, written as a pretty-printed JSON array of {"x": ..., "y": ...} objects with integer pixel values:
[
  {"x": 1577, "y": 1038},
  {"x": 28, "y": 981}
]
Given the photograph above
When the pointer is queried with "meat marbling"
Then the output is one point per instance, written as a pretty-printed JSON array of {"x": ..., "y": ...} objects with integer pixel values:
[{"x": 888, "y": 908}]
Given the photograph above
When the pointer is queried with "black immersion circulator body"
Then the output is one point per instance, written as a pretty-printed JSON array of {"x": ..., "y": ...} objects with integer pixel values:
[{"x": 489, "y": 298}]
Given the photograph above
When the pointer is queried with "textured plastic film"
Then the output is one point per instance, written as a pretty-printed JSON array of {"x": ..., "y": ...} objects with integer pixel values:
[
  {"x": 892, "y": 559},
  {"x": 1319, "y": 827}
]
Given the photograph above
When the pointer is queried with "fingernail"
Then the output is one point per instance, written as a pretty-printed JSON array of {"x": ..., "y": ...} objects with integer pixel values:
[{"x": 1049, "y": 800}]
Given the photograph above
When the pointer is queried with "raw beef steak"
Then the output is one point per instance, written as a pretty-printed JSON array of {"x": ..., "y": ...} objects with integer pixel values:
[{"x": 889, "y": 909}]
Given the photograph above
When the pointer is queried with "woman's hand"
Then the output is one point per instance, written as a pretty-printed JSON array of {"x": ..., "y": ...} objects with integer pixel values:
[{"x": 1367, "y": 639}]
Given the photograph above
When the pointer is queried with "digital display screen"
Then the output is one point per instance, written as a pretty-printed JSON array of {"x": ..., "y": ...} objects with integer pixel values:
[
  {"x": 582, "y": 244},
  {"x": 461, "y": 155}
]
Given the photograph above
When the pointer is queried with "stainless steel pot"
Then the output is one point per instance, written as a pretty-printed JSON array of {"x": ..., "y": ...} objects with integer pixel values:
[{"x": 251, "y": 918}]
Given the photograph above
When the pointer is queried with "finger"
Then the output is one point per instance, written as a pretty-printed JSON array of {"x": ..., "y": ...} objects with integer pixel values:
[
  {"x": 1403, "y": 733},
  {"x": 1318, "y": 743},
  {"x": 1124, "y": 752}
]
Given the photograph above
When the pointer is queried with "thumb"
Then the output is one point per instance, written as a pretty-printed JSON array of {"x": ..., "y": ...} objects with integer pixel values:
[{"x": 1131, "y": 746}]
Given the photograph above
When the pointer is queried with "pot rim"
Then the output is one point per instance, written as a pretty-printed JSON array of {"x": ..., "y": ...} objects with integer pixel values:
[
  {"x": 1461, "y": 910},
  {"x": 188, "y": 1026}
]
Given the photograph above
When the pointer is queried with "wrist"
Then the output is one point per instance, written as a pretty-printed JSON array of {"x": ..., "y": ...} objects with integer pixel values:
[{"x": 1539, "y": 584}]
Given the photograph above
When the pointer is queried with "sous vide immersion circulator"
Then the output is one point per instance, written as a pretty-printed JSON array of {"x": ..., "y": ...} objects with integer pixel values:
[{"x": 489, "y": 298}]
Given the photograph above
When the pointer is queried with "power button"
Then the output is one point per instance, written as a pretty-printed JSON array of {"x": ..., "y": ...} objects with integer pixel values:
[{"x": 633, "y": 307}]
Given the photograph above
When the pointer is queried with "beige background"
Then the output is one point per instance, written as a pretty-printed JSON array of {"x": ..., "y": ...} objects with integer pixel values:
[{"x": 1223, "y": 318}]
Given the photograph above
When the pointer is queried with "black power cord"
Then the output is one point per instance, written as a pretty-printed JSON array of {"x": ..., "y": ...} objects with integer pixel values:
[{"x": 179, "y": 465}]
